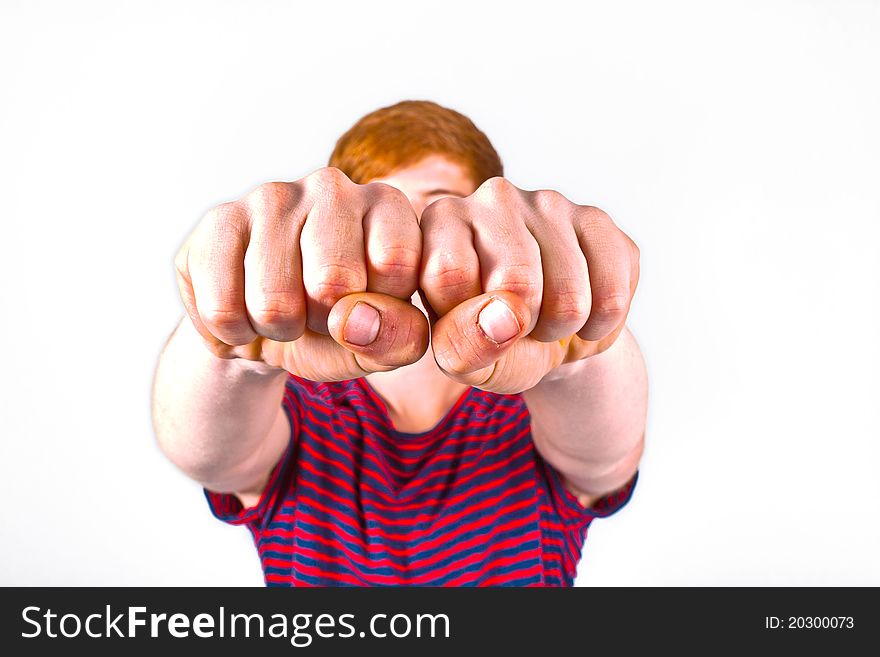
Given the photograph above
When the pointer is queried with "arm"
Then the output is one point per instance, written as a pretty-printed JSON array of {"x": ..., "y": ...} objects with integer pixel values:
[
  {"x": 330, "y": 267},
  {"x": 220, "y": 420},
  {"x": 543, "y": 314},
  {"x": 588, "y": 419}
]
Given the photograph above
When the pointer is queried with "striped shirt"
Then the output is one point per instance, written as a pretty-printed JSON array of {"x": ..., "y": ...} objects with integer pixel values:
[{"x": 355, "y": 502}]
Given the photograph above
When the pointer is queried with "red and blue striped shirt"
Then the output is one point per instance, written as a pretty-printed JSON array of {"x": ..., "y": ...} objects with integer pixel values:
[{"x": 355, "y": 502}]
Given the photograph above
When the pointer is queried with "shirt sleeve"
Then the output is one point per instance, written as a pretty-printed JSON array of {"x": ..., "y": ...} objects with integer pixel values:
[
  {"x": 228, "y": 508},
  {"x": 570, "y": 510}
]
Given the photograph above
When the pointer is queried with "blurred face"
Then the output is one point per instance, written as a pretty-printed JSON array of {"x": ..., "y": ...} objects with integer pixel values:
[{"x": 432, "y": 178}]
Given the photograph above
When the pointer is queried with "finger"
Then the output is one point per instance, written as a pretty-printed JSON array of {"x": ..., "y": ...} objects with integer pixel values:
[
  {"x": 565, "y": 300},
  {"x": 469, "y": 340},
  {"x": 609, "y": 262},
  {"x": 393, "y": 243},
  {"x": 332, "y": 245},
  {"x": 509, "y": 255},
  {"x": 187, "y": 295},
  {"x": 450, "y": 272},
  {"x": 215, "y": 267},
  {"x": 273, "y": 267}
]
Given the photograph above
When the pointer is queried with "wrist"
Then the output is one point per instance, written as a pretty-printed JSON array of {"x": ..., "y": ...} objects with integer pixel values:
[
  {"x": 585, "y": 357},
  {"x": 243, "y": 361}
]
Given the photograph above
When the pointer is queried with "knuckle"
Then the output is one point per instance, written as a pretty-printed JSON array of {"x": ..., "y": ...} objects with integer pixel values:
[
  {"x": 220, "y": 227},
  {"x": 221, "y": 217},
  {"x": 523, "y": 289},
  {"x": 328, "y": 184},
  {"x": 222, "y": 224},
  {"x": 334, "y": 281},
  {"x": 395, "y": 260},
  {"x": 275, "y": 312},
  {"x": 445, "y": 205},
  {"x": 223, "y": 320},
  {"x": 551, "y": 209},
  {"x": 439, "y": 211},
  {"x": 496, "y": 187},
  {"x": 566, "y": 307},
  {"x": 273, "y": 195},
  {"x": 521, "y": 278},
  {"x": 445, "y": 272},
  {"x": 328, "y": 174},
  {"x": 610, "y": 306},
  {"x": 385, "y": 193},
  {"x": 550, "y": 201},
  {"x": 591, "y": 216}
]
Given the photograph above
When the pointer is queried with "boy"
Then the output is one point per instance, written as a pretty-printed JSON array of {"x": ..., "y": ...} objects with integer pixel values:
[{"x": 402, "y": 369}]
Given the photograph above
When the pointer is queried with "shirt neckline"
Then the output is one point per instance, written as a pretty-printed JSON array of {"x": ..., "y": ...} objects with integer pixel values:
[{"x": 377, "y": 400}]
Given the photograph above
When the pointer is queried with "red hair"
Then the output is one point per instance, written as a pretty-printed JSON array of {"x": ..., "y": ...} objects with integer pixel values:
[{"x": 401, "y": 135}]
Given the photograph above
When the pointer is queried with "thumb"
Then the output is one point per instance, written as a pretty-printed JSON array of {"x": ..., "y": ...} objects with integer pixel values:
[
  {"x": 470, "y": 339},
  {"x": 368, "y": 333},
  {"x": 382, "y": 332}
]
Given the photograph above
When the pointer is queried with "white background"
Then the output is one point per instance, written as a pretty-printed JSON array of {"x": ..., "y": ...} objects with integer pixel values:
[{"x": 737, "y": 143}]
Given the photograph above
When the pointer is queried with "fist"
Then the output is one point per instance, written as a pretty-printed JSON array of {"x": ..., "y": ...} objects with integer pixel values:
[
  {"x": 313, "y": 276},
  {"x": 522, "y": 282}
]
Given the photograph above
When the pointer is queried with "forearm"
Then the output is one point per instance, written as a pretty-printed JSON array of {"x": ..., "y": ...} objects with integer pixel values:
[
  {"x": 214, "y": 418},
  {"x": 588, "y": 417}
]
